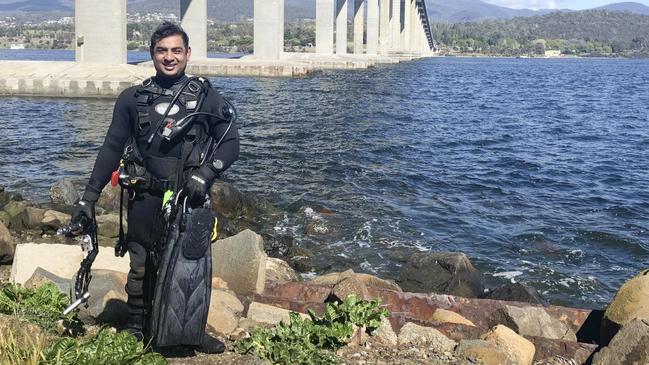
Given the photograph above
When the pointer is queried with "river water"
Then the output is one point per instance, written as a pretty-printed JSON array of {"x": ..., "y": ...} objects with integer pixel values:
[{"x": 537, "y": 169}]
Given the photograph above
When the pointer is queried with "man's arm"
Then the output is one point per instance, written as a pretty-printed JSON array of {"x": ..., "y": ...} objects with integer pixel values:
[
  {"x": 111, "y": 151},
  {"x": 228, "y": 151}
]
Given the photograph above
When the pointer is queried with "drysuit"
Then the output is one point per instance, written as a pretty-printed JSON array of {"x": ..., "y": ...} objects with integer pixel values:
[{"x": 136, "y": 120}]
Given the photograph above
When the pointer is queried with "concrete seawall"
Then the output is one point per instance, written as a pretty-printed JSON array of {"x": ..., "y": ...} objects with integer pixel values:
[{"x": 94, "y": 80}]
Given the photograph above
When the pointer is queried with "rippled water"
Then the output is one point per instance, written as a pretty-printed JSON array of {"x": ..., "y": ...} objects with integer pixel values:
[{"x": 537, "y": 169}]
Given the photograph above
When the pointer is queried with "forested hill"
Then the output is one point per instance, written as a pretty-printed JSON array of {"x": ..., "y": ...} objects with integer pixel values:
[{"x": 591, "y": 32}]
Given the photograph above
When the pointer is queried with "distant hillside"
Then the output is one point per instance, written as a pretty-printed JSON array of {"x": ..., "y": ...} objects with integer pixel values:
[
  {"x": 39, "y": 5},
  {"x": 473, "y": 10},
  {"x": 631, "y": 7},
  {"x": 590, "y": 32},
  {"x": 235, "y": 10}
]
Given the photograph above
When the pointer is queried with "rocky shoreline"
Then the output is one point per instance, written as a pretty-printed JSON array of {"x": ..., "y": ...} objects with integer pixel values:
[{"x": 440, "y": 310}]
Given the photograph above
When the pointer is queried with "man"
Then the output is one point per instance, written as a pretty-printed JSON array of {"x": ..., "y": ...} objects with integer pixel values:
[{"x": 191, "y": 161}]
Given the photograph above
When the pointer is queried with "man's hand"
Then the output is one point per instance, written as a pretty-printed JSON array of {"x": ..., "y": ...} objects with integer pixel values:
[
  {"x": 83, "y": 213},
  {"x": 198, "y": 183}
]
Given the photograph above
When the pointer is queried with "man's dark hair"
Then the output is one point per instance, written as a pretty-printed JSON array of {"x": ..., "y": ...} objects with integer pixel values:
[{"x": 168, "y": 29}]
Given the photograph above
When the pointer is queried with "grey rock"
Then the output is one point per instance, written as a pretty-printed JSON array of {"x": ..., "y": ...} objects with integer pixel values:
[
  {"x": 64, "y": 192},
  {"x": 33, "y": 217},
  {"x": 42, "y": 276},
  {"x": 108, "y": 225},
  {"x": 532, "y": 321},
  {"x": 630, "y": 346},
  {"x": 241, "y": 262},
  {"x": 7, "y": 245},
  {"x": 267, "y": 314},
  {"x": 109, "y": 198},
  {"x": 517, "y": 292},
  {"x": 107, "y": 302},
  {"x": 6, "y": 197},
  {"x": 442, "y": 273},
  {"x": 225, "y": 311},
  {"x": 227, "y": 200}
]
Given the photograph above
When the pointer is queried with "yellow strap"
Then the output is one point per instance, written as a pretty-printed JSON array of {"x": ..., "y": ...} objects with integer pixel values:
[{"x": 214, "y": 230}]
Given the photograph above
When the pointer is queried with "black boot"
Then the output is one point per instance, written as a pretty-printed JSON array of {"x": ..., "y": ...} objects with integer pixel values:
[
  {"x": 135, "y": 324},
  {"x": 210, "y": 345}
]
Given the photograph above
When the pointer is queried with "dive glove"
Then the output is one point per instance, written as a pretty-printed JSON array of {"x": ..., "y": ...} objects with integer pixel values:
[
  {"x": 198, "y": 184},
  {"x": 83, "y": 213}
]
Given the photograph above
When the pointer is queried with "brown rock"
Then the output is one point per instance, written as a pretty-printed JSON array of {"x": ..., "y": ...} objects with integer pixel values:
[
  {"x": 54, "y": 220},
  {"x": 630, "y": 346},
  {"x": 279, "y": 271},
  {"x": 64, "y": 192},
  {"x": 225, "y": 311},
  {"x": 414, "y": 335},
  {"x": 5, "y": 218},
  {"x": 629, "y": 303},
  {"x": 370, "y": 281},
  {"x": 25, "y": 335},
  {"x": 484, "y": 352},
  {"x": 226, "y": 199},
  {"x": 109, "y": 199},
  {"x": 33, "y": 217},
  {"x": 532, "y": 321},
  {"x": 446, "y": 316},
  {"x": 518, "y": 349},
  {"x": 351, "y": 286},
  {"x": 7, "y": 245}
]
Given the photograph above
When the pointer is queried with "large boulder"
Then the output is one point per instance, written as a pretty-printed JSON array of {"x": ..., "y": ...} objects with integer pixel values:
[
  {"x": 370, "y": 281},
  {"x": 442, "y": 273},
  {"x": 42, "y": 276},
  {"x": 385, "y": 334},
  {"x": 279, "y": 271},
  {"x": 53, "y": 220},
  {"x": 109, "y": 198},
  {"x": 517, "y": 292},
  {"x": 64, "y": 192},
  {"x": 227, "y": 200},
  {"x": 629, "y": 303},
  {"x": 6, "y": 197},
  {"x": 241, "y": 262},
  {"x": 60, "y": 260},
  {"x": 7, "y": 245},
  {"x": 225, "y": 311},
  {"x": 108, "y": 225},
  {"x": 107, "y": 302},
  {"x": 519, "y": 350},
  {"x": 16, "y": 210},
  {"x": 32, "y": 217},
  {"x": 630, "y": 346},
  {"x": 532, "y": 321},
  {"x": 415, "y": 335}
]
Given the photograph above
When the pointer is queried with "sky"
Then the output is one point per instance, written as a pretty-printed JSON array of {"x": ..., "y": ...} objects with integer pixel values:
[{"x": 558, "y": 4}]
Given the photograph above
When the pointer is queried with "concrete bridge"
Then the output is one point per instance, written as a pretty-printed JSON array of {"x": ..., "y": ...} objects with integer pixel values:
[
  {"x": 381, "y": 28},
  {"x": 384, "y": 31}
]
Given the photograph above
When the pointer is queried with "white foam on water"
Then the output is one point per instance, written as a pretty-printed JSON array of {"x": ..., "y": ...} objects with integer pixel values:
[
  {"x": 365, "y": 265},
  {"x": 308, "y": 275},
  {"x": 511, "y": 275}
]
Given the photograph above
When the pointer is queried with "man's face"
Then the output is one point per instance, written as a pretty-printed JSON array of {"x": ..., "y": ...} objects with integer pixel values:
[{"x": 170, "y": 56}]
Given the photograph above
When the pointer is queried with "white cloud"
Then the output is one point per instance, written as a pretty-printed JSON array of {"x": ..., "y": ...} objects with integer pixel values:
[{"x": 525, "y": 4}]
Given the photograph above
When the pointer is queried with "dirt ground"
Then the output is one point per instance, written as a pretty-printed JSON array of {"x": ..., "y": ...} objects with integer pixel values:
[{"x": 371, "y": 354}]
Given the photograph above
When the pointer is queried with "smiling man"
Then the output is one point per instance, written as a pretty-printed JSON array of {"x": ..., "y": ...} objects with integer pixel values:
[{"x": 152, "y": 162}]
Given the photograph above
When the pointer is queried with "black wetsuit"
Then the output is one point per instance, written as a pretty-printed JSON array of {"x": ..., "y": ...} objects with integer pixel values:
[{"x": 161, "y": 159}]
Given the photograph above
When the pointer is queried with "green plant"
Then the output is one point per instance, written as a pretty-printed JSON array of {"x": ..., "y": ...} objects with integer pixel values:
[
  {"x": 301, "y": 341},
  {"x": 105, "y": 348},
  {"x": 42, "y": 306}
]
